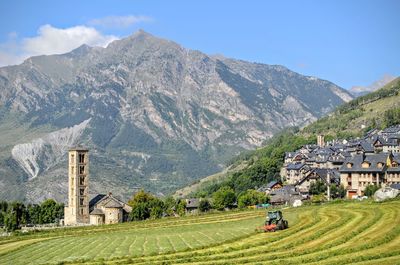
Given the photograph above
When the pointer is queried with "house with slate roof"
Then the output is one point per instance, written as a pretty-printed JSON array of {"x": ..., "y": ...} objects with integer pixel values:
[
  {"x": 192, "y": 205},
  {"x": 328, "y": 176},
  {"x": 369, "y": 169},
  {"x": 295, "y": 172},
  {"x": 391, "y": 144},
  {"x": 271, "y": 186},
  {"x": 287, "y": 195}
]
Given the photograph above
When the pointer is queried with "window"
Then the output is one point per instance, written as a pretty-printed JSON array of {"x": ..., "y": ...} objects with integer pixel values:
[
  {"x": 81, "y": 192},
  {"x": 81, "y": 158},
  {"x": 72, "y": 158},
  {"x": 81, "y": 169},
  {"x": 81, "y": 201},
  {"x": 81, "y": 180},
  {"x": 81, "y": 211},
  {"x": 72, "y": 170},
  {"x": 365, "y": 165}
]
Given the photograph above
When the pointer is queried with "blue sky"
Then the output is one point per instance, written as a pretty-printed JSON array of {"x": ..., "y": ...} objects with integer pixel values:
[{"x": 347, "y": 42}]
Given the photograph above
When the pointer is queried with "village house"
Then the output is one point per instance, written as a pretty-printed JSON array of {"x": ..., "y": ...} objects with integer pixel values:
[
  {"x": 369, "y": 169},
  {"x": 287, "y": 195},
  {"x": 270, "y": 187},
  {"x": 295, "y": 172},
  {"x": 391, "y": 145},
  {"x": 192, "y": 205},
  {"x": 327, "y": 176}
]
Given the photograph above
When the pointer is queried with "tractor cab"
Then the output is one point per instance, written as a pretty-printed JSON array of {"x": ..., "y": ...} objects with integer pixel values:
[
  {"x": 274, "y": 221},
  {"x": 273, "y": 217}
]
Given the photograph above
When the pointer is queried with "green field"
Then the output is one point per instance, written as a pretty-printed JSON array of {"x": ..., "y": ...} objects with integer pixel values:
[{"x": 341, "y": 233}]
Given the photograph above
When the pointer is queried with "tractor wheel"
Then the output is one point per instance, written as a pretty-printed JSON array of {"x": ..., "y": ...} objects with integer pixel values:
[
  {"x": 286, "y": 224},
  {"x": 280, "y": 225}
]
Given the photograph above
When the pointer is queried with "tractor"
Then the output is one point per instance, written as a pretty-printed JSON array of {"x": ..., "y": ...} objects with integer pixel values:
[{"x": 273, "y": 222}]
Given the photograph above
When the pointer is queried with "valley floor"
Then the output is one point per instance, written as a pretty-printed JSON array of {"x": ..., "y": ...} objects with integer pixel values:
[{"x": 341, "y": 233}]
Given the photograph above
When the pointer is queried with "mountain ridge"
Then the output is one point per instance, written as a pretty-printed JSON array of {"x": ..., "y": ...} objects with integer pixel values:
[{"x": 160, "y": 115}]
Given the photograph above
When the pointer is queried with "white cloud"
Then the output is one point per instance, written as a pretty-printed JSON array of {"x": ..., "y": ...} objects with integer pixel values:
[
  {"x": 51, "y": 40},
  {"x": 119, "y": 21}
]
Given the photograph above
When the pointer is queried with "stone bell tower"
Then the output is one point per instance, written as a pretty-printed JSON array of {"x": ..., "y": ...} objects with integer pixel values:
[{"x": 77, "y": 211}]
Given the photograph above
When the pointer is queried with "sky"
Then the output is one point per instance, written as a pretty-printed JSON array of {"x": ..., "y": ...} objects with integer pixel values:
[{"x": 347, "y": 42}]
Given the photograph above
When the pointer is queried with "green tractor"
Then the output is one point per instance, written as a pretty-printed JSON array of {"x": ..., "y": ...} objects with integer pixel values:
[{"x": 274, "y": 222}]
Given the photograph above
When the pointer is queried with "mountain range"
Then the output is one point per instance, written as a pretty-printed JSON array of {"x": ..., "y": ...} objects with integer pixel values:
[
  {"x": 154, "y": 115},
  {"x": 363, "y": 90}
]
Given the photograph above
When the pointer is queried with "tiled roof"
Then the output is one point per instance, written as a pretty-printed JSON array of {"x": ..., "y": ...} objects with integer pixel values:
[
  {"x": 192, "y": 203},
  {"x": 97, "y": 211},
  {"x": 271, "y": 184},
  {"x": 367, "y": 146},
  {"x": 113, "y": 203},
  {"x": 108, "y": 201},
  {"x": 358, "y": 159},
  {"x": 95, "y": 200},
  {"x": 295, "y": 166}
]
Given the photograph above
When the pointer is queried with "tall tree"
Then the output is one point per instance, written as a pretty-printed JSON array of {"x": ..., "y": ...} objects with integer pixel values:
[{"x": 224, "y": 198}]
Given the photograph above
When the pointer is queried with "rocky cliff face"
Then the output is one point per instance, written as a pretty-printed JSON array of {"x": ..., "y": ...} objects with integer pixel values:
[{"x": 153, "y": 113}]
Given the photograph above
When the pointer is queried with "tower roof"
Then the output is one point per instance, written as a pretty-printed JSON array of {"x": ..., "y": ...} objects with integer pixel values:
[{"x": 78, "y": 148}]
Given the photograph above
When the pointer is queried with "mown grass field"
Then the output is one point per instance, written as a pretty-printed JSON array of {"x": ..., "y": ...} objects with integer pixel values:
[{"x": 342, "y": 233}]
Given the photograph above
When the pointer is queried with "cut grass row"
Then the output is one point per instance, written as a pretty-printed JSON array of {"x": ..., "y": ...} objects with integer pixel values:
[
  {"x": 329, "y": 234},
  {"x": 360, "y": 227},
  {"x": 137, "y": 241}
]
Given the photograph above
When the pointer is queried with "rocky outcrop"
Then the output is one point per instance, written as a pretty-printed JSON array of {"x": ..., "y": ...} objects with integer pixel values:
[
  {"x": 41, "y": 154},
  {"x": 385, "y": 194}
]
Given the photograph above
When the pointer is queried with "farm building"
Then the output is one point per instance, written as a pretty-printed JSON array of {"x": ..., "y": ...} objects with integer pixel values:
[{"x": 192, "y": 205}]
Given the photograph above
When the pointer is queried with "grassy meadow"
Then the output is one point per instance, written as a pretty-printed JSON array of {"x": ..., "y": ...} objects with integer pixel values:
[{"x": 336, "y": 233}]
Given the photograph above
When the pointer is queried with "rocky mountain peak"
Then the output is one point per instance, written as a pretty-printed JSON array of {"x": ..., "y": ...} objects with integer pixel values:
[
  {"x": 154, "y": 114},
  {"x": 80, "y": 51}
]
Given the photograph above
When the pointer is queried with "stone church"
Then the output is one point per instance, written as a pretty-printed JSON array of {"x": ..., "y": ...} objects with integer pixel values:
[{"x": 102, "y": 209}]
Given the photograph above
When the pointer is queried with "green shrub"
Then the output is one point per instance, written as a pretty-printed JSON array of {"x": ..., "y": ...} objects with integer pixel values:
[
  {"x": 252, "y": 197},
  {"x": 370, "y": 190},
  {"x": 224, "y": 198},
  {"x": 144, "y": 206},
  {"x": 204, "y": 205}
]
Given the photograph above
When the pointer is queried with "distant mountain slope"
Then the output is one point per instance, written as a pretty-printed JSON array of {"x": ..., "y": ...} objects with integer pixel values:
[
  {"x": 153, "y": 114},
  {"x": 360, "y": 114},
  {"x": 351, "y": 119},
  {"x": 361, "y": 90}
]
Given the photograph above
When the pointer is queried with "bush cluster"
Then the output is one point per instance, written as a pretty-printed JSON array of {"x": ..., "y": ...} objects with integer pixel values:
[{"x": 15, "y": 214}]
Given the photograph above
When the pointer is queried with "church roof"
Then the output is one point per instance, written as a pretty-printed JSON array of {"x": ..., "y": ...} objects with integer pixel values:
[
  {"x": 108, "y": 201},
  {"x": 95, "y": 200},
  {"x": 78, "y": 148},
  {"x": 97, "y": 211},
  {"x": 113, "y": 203}
]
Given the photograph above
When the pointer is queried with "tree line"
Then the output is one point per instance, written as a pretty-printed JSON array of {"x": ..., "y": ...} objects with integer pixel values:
[
  {"x": 13, "y": 215},
  {"x": 147, "y": 206}
]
